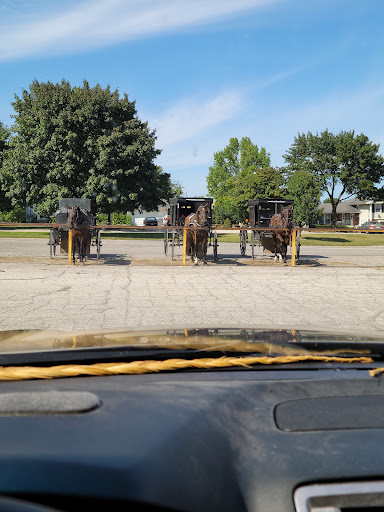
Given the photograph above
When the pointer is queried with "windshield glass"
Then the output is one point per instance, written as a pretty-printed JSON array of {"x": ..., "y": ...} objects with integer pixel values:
[{"x": 169, "y": 167}]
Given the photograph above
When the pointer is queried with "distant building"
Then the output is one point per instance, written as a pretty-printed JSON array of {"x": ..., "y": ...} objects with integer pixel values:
[
  {"x": 137, "y": 219},
  {"x": 353, "y": 212}
]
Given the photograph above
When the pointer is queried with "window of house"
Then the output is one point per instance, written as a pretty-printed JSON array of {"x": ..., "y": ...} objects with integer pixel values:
[{"x": 327, "y": 218}]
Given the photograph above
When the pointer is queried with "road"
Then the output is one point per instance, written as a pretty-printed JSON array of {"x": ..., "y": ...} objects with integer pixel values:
[{"x": 133, "y": 284}]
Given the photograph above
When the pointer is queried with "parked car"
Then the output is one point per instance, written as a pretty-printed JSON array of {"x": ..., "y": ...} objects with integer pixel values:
[
  {"x": 371, "y": 225},
  {"x": 150, "y": 221}
]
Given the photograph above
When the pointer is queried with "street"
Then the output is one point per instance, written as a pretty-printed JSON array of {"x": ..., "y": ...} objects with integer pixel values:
[{"x": 330, "y": 288}]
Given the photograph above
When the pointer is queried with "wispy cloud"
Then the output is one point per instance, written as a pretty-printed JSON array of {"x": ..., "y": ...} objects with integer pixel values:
[
  {"x": 192, "y": 117},
  {"x": 97, "y": 23}
]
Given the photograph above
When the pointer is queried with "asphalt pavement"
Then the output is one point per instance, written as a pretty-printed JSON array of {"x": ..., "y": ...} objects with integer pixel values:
[{"x": 135, "y": 284}]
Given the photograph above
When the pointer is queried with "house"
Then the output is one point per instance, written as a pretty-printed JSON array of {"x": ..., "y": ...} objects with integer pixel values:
[{"x": 353, "y": 212}]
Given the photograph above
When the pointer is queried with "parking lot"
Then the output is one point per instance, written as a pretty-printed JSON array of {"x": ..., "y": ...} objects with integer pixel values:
[{"x": 135, "y": 284}]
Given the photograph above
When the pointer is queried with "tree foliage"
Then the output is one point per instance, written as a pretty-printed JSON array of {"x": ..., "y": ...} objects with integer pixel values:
[
  {"x": 176, "y": 189},
  {"x": 304, "y": 189},
  {"x": 81, "y": 142},
  {"x": 5, "y": 203},
  {"x": 343, "y": 165},
  {"x": 241, "y": 172}
]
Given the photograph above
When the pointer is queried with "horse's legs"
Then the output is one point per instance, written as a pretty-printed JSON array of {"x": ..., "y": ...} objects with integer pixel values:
[
  {"x": 274, "y": 247},
  {"x": 205, "y": 246}
]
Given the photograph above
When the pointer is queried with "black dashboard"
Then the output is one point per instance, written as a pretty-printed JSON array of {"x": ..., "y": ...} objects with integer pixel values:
[{"x": 240, "y": 440}]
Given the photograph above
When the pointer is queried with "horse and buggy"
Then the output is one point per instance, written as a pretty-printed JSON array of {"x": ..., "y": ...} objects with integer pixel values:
[
  {"x": 74, "y": 217},
  {"x": 277, "y": 215},
  {"x": 195, "y": 214}
]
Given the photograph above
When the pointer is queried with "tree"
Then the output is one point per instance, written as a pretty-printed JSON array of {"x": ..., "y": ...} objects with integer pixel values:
[
  {"x": 82, "y": 142},
  {"x": 267, "y": 182},
  {"x": 5, "y": 203},
  {"x": 343, "y": 165},
  {"x": 176, "y": 189},
  {"x": 304, "y": 189},
  {"x": 240, "y": 172}
]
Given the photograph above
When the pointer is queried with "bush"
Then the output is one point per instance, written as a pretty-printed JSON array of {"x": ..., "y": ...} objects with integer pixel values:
[
  {"x": 227, "y": 223},
  {"x": 15, "y": 215},
  {"x": 120, "y": 218},
  {"x": 116, "y": 218},
  {"x": 102, "y": 218}
]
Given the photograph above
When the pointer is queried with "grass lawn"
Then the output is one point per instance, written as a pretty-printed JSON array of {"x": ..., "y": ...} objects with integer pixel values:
[
  {"x": 346, "y": 239},
  {"x": 313, "y": 239}
]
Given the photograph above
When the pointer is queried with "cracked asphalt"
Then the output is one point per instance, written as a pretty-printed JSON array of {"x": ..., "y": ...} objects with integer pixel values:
[{"x": 123, "y": 291}]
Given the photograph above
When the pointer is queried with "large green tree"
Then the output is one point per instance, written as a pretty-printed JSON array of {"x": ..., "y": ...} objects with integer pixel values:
[
  {"x": 5, "y": 203},
  {"x": 304, "y": 189},
  {"x": 343, "y": 165},
  {"x": 81, "y": 142},
  {"x": 240, "y": 172}
]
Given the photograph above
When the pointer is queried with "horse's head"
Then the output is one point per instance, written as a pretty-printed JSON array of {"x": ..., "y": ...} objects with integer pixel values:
[
  {"x": 203, "y": 217},
  {"x": 73, "y": 216}
]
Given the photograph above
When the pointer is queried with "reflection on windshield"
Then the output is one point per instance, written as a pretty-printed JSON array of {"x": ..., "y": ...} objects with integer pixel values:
[{"x": 205, "y": 339}]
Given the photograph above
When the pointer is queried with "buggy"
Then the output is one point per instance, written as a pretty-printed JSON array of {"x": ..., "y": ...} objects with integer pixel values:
[
  {"x": 261, "y": 212},
  {"x": 179, "y": 209},
  {"x": 58, "y": 234}
]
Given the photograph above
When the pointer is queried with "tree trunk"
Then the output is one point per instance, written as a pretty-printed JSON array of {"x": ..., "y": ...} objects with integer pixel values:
[{"x": 334, "y": 215}]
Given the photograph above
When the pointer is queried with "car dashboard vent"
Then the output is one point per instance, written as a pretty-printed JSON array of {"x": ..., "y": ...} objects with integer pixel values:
[{"x": 343, "y": 497}]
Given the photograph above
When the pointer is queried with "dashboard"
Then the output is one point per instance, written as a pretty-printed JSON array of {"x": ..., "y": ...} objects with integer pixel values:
[{"x": 234, "y": 440}]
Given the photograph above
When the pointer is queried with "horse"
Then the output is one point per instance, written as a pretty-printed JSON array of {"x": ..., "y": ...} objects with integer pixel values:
[
  {"x": 80, "y": 221},
  {"x": 282, "y": 222},
  {"x": 197, "y": 239}
]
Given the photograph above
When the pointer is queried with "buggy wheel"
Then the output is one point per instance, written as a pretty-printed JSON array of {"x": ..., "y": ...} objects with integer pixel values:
[
  {"x": 53, "y": 240},
  {"x": 243, "y": 242},
  {"x": 215, "y": 245},
  {"x": 166, "y": 241},
  {"x": 98, "y": 243},
  {"x": 50, "y": 243}
]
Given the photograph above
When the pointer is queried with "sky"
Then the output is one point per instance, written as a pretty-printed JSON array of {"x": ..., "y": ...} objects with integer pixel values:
[{"x": 203, "y": 71}]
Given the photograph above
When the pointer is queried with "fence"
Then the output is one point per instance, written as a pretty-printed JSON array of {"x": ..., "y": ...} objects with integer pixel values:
[{"x": 179, "y": 228}]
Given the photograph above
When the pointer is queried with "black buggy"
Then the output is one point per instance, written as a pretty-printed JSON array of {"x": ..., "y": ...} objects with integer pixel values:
[
  {"x": 58, "y": 235},
  {"x": 260, "y": 213},
  {"x": 179, "y": 209}
]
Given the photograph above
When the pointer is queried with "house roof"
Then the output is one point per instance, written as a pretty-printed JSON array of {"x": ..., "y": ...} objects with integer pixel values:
[
  {"x": 354, "y": 200},
  {"x": 341, "y": 208}
]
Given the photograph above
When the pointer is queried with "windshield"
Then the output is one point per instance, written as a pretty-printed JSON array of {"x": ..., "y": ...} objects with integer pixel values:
[{"x": 169, "y": 167}]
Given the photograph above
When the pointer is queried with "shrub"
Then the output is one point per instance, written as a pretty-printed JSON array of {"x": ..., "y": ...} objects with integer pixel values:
[
  {"x": 120, "y": 218},
  {"x": 116, "y": 218},
  {"x": 15, "y": 215},
  {"x": 102, "y": 218},
  {"x": 227, "y": 223}
]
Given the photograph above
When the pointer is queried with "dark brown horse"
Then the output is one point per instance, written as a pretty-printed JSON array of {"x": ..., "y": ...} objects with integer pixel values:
[
  {"x": 197, "y": 239},
  {"x": 80, "y": 222},
  {"x": 282, "y": 223}
]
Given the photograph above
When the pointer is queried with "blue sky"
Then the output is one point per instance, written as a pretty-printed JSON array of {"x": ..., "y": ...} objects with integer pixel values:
[{"x": 203, "y": 71}]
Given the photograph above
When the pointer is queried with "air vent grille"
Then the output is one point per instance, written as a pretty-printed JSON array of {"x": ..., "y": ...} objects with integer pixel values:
[{"x": 346, "y": 497}]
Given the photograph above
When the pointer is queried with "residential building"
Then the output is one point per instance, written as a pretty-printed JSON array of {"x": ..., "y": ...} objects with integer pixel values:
[{"x": 353, "y": 212}]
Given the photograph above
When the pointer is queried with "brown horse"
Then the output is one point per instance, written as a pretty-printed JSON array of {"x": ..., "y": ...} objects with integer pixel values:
[
  {"x": 281, "y": 237},
  {"x": 197, "y": 239},
  {"x": 80, "y": 222}
]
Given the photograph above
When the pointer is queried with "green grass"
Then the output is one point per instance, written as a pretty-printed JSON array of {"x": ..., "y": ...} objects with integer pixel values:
[
  {"x": 337, "y": 239},
  {"x": 23, "y": 234},
  {"x": 343, "y": 239},
  {"x": 133, "y": 236}
]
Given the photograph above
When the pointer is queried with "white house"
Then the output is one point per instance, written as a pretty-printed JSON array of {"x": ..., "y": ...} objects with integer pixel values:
[{"x": 353, "y": 212}]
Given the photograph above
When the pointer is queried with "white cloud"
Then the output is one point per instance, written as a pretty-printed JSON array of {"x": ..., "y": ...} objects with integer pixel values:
[
  {"x": 192, "y": 117},
  {"x": 98, "y": 22}
]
